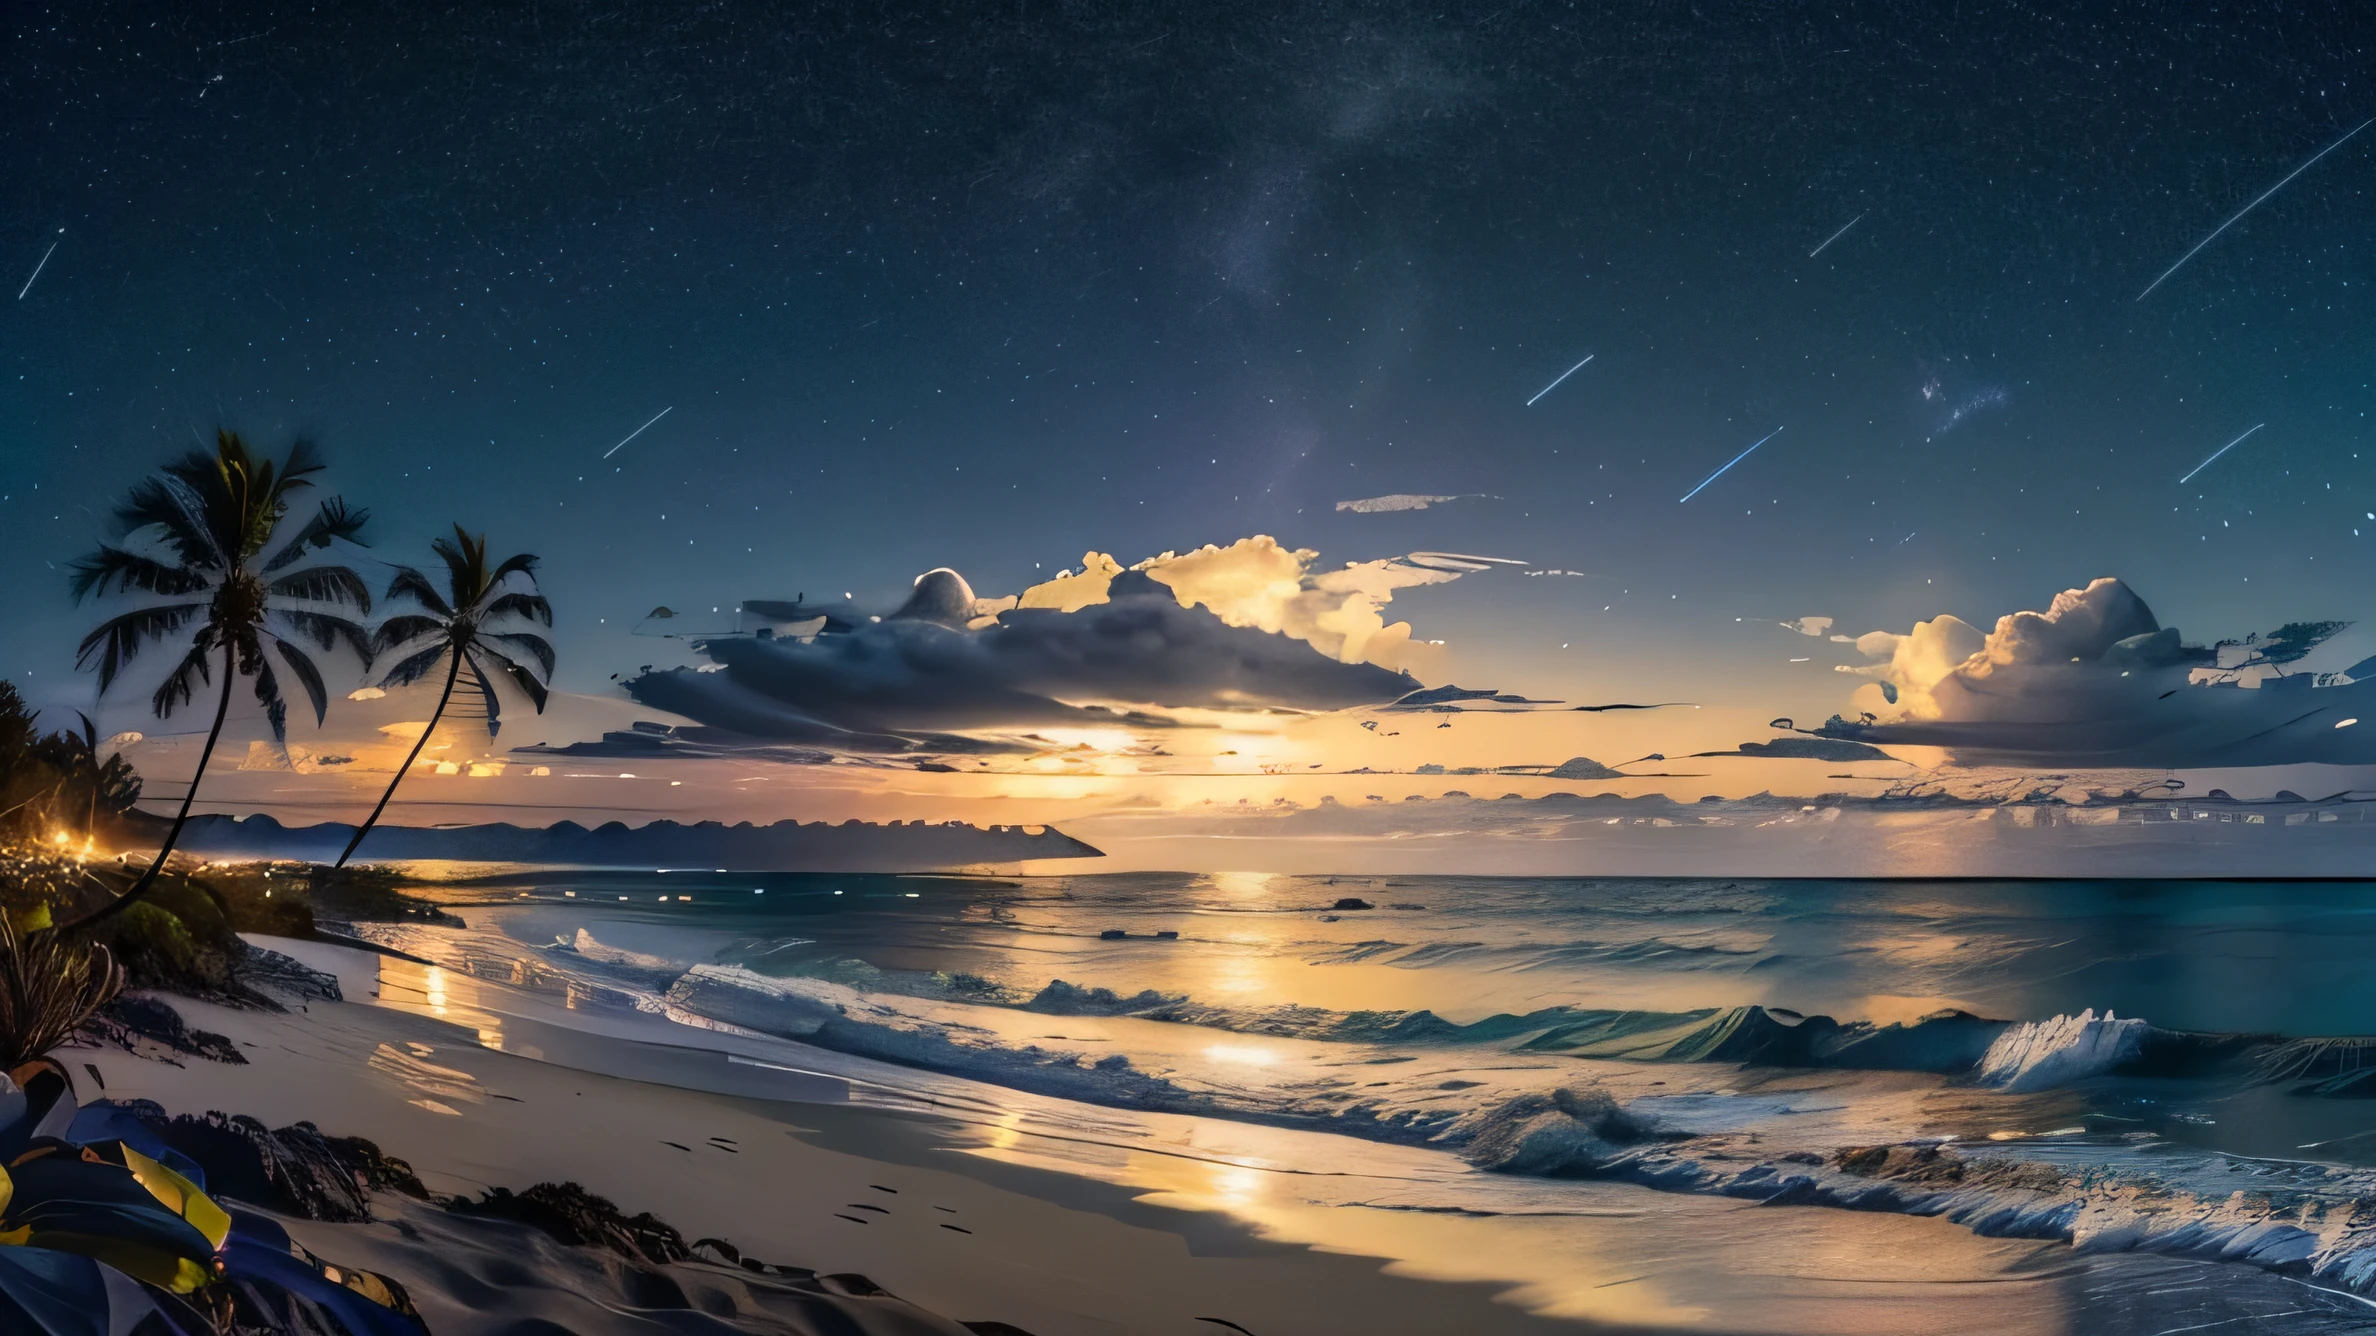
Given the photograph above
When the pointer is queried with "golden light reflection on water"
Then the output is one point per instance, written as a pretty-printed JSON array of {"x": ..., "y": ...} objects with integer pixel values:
[
  {"x": 1620, "y": 1257},
  {"x": 1559, "y": 1271},
  {"x": 431, "y": 990}
]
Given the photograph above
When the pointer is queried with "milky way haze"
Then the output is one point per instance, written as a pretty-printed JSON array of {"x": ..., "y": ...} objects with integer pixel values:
[{"x": 991, "y": 287}]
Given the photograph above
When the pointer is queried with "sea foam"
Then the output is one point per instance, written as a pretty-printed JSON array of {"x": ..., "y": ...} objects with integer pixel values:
[{"x": 2039, "y": 1055}]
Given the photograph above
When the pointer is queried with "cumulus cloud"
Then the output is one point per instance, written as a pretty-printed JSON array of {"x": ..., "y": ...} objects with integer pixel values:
[
  {"x": 2096, "y": 679},
  {"x": 1255, "y": 582},
  {"x": 1060, "y": 658}
]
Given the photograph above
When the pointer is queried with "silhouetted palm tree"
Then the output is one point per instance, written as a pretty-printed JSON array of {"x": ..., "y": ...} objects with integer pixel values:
[
  {"x": 107, "y": 782},
  {"x": 455, "y": 626},
  {"x": 204, "y": 535}
]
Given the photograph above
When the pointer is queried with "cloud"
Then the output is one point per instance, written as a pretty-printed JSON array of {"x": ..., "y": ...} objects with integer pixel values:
[
  {"x": 1380, "y": 505},
  {"x": 1805, "y": 749},
  {"x": 2096, "y": 680},
  {"x": 1255, "y": 582},
  {"x": 902, "y": 683}
]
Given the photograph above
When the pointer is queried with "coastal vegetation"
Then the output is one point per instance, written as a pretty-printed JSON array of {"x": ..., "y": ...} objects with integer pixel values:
[
  {"x": 209, "y": 535},
  {"x": 220, "y": 567}
]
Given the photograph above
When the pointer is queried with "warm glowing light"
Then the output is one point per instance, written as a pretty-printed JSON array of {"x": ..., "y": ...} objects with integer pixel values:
[
  {"x": 1235, "y": 1184},
  {"x": 1243, "y": 1054},
  {"x": 1102, "y": 739}
]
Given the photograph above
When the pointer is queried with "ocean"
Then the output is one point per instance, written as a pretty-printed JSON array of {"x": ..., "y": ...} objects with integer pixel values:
[{"x": 2174, "y": 1074}]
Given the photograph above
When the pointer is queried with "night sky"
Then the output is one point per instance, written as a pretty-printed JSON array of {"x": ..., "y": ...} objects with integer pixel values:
[{"x": 989, "y": 286}]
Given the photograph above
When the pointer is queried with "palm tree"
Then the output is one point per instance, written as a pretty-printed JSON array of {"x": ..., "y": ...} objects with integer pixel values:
[
  {"x": 108, "y": 782},
  {"x": 204, "y": 534},
  {"x": 453, "y": 629}
]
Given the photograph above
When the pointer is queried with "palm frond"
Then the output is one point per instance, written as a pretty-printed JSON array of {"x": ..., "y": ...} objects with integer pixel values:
[
  {"x": 415, "y": 667},
  {"x": 119, "y": 639},
  {"x": 168, "y": 502},
  {"x": 518, "y": 672},
  {"x": 176, "y": 688},
  {"x": 334, "y": 521},
  {"x": 409, "y": 583},
  {"x": 305, "y": 459},
  {"x": 268, "y": 695},
  {"x": 528, "y": 685},
  {"x": 404, "y": 630},
  {"x": 523, "y": 564},
  {"x": 465, "y": 559},
  {"x": 308, "y": 677},
  {"x": 535, "y": 646},
  {"x": 327, "y": 630},
  {"x": 486, "y": 688},
  {"x": 324, "y": 584},
  {"x": 532, "y": 606},
  {"x": 128, "y": 571}
]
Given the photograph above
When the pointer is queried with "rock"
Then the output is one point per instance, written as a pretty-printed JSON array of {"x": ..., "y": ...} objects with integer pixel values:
[
  {"x": 573, "y": 1215},
  {"x": 139, "y": 1023},
  {"x": 1112, "y": 935},
  {"x": 295, "y": 1171},
  {"x": 270, "y": 969},
  {"x": 1352, "y": 902}
]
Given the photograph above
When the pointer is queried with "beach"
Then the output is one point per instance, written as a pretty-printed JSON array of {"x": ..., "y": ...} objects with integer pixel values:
[{"x": 987, "y": 1204}]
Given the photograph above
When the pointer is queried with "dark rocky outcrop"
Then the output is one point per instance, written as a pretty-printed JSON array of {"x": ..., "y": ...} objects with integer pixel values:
[
  {"x": 573, "y": 1215},
  {"x": 138, "y": 1023}
]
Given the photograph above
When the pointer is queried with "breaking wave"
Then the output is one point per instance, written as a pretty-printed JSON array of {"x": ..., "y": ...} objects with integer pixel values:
[
  {"x": 2039, "y": 1055},
  {"x": 1754, "y": 1102}
]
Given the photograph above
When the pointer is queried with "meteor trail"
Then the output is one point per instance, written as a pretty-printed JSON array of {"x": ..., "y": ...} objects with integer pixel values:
[
  {"x": 639, "y": 430},
  {"x": 2221, "y": 451},
  {"x": 1835, "y": 236},
  {"x": 37, "y": 269},
  {"x": 2254, "y": 205},
  {"x": 1735, "y": 460},
  {"x": 1562, "y": 376}
]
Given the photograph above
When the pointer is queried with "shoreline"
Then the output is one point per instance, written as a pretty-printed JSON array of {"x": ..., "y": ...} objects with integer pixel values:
[
  {"x": 1085, "y": 1220},
  {"x": 1065, "y": 1254}
]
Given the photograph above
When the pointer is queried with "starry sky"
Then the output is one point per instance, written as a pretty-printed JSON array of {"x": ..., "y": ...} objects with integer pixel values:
[{"x": 990, "y": 286}]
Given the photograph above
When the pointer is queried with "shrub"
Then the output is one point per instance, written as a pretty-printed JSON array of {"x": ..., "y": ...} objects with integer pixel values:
[{"x": 48, "y": 987}]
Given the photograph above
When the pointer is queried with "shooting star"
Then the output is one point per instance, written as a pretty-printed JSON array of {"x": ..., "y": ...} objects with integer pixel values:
[
  {"x": 38, "y": 268},
  {"x": 2289, "y": 176},
  {"x": 639, "y": 430},
  {"x": 1835, "y": 236},
  {"x": 2221, "y": 451},
  {"x": 1735, "y": 460},
  {"x": 1562, "y": 376}
]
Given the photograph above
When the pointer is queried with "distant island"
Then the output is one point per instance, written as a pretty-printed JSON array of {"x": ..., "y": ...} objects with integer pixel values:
[{"x": 786, "y": 846}]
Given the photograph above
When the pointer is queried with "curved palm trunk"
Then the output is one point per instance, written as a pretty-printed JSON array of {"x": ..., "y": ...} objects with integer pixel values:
[
  {"x": 452, "y": 673},
  {"x": 180, "y": 819}
]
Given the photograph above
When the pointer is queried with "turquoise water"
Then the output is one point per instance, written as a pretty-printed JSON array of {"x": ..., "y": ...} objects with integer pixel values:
[{"x": 2174, "y": 1066}]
